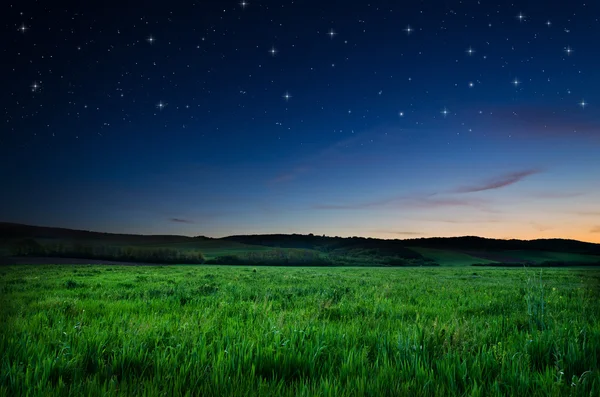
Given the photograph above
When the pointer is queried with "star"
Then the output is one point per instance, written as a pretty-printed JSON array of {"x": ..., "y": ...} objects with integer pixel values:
[
  {"x": 161, "y": 105},
  {"x": 35, "y": 86},
  {"x": 331, "y": 33},
  {"x": 445, "y": 112},
  {"x": 408, "y": 30},
  {"x": 548, "y": 23},
  {"x": 583, "y": 103},
  {"x": 520, "y": 17},
  {"x": 516, "y": 82},
  {"x": 470, "y": 51},
  {"x": 244, "y": 4},
  {"x": 286, "y": 96},
  {"x": 401, "y": 114},
  {"x": 22, "y": 28},
  {"x": 273, "y": 51},
  {"x": 150, "y": 39},
  {"x": 568, "y": 50},
  {"x": 471, "y": 84}
]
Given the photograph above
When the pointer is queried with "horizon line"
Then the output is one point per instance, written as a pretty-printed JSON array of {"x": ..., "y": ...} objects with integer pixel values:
[{"x": 291, "y": 234}]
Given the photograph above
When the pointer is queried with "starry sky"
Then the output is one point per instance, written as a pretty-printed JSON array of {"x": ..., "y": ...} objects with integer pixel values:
[{"x": 368, "y": 118}]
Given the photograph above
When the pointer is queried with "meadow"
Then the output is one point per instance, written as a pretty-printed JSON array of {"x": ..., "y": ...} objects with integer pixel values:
[{"x": 311, "y": 331}]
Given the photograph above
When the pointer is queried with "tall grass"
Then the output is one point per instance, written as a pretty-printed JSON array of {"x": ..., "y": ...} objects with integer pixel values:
[
  {"x": 535, "y": 302},
  {"x": 232, "y": 331}
]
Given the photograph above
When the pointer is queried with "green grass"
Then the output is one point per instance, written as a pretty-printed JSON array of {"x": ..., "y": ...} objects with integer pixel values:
[
  {"x": 233, "y": 331},
  {"x": 449, "y": 258},
  {"x": 543, "y": 256}
]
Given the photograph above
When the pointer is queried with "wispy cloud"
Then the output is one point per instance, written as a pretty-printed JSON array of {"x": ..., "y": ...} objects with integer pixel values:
[
  {"x": 401, "y": 233},
  {"x": 449, "y": 202},
  {"x": 424, "y": 201},
  {"x": 457, "y": 221},
  {"x": 497, "y": 182},
  {"x": 361, "y": 205},
  {"x": 588, "y": 213},
  {"x": 548, "y": 121},
  {"x": 337, "y": 154},
  {"x": 556, "y": 195},
  {"x": 291, "y": 174},
  {"x": 181, "y": 220},
  {"x": 437, "y": 200},
  {"x": 595, "y": 229},
  {"x": 540, "y": 227}
]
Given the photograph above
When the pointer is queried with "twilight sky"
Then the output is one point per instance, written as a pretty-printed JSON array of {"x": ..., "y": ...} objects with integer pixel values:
[{"x": 383, "y": 119}]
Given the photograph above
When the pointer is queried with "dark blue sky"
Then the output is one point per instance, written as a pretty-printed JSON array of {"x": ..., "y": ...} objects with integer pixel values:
[{"x": 385, "y": 119}]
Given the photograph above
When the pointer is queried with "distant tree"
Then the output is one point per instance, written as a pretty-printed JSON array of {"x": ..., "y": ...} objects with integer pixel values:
[{"x": 27, "y": 247}]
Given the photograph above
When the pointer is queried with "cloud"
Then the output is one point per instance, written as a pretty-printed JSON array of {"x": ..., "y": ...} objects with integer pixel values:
[
  {"x": 497, "y": 182},
  {"x": 181, "y": 220},
  {"x": 548, "y": 121},
  {"x": 422, "y": 201},
  {"x": 588, "y": 213},
  {"x": 359, "y": 206},
  {"x": 435, "y": 200},
  {"x": 595, "y": 229},
  {"x": 290, "y": 175},
  {"x": 401, "y": 233},
  {"x": 556, "y": 195},
  {"x": 339, "y": 153},
  {"x": 457, "y": 221},
  {"x": 449, "y": 202},
  {"x": 540, "y": 227}
]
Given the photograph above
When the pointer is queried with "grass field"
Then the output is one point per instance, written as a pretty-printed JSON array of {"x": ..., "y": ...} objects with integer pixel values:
[
  {"x": 446, "y": 257},
  {"x": 542, "y": 256},
  {"x": 449, "y": 258},
  {"x": 227, "y": 331}
]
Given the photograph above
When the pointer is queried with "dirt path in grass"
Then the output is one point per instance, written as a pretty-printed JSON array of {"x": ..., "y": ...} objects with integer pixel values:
[{"x": 15, "y": 260}]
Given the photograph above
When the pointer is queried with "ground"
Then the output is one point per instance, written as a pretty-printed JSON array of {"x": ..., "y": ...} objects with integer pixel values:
[{"x": 223, "y": 330}]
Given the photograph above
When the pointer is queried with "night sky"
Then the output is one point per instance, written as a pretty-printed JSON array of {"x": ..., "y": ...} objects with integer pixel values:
[{"x": 348, "y": 118}]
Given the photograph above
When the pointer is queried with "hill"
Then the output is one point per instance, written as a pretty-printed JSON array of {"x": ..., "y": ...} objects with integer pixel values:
[
  {"x": 488, "y": 244},
  {"x": 17, "y": 230},
  {"x": 357, "y": 245},
  {"x": 297, "y": 248}
]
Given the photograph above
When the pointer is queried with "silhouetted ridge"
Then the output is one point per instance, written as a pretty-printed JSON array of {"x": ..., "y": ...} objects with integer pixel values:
[
  {"x": 356, "y": 245},
  {"x": 336, "y": 245},
  {"x": 487, "y": 244},
  {"x": 16, "y": 230}
]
